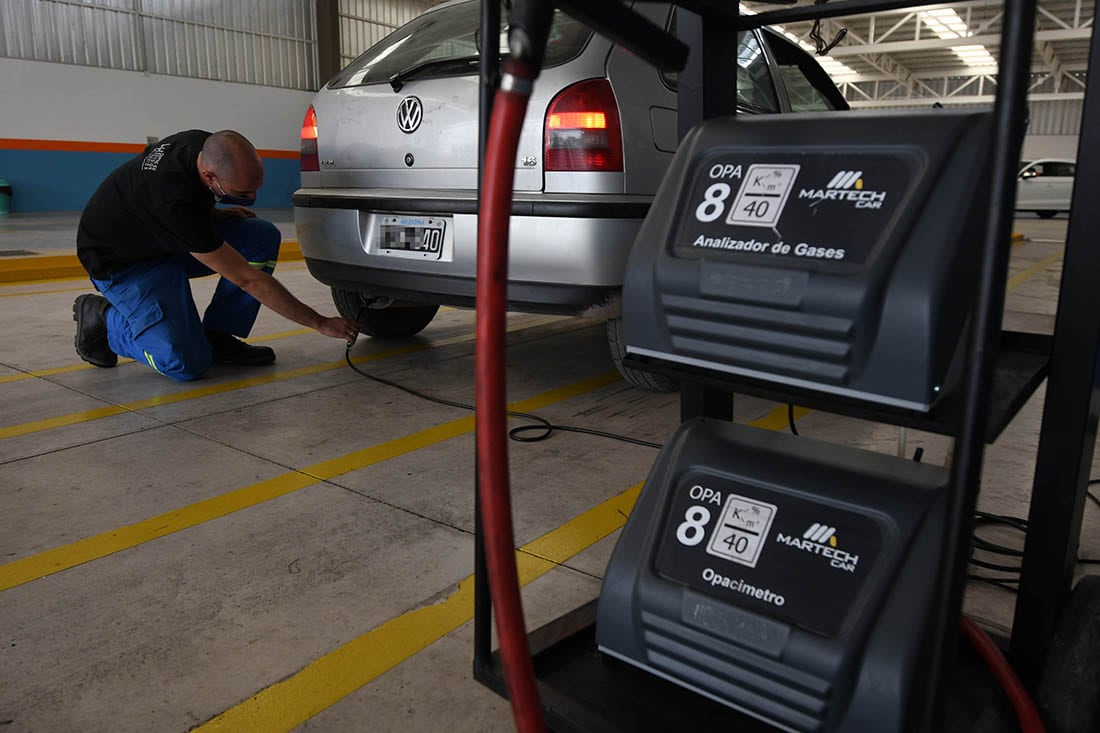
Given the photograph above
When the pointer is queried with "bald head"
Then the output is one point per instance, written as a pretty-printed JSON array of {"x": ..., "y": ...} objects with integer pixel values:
[{"x": 229, "y": 156}]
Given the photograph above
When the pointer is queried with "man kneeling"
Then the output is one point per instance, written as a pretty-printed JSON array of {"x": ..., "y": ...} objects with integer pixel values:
[{"x": 152, "y": 225}]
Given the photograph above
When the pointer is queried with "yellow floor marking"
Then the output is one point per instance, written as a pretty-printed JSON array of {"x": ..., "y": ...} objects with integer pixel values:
[
  {"x": 124, "y": 360},
  {"x": 51, "y": 372},
  {"x": 85, "y": 289},
  {"x": 36, "y": 426},
  {"x": 81, "y": 367},
  {"x": 88, "y": 288},
  {"x": 55, "y": 560},
  {"x": 1039, "y": 266},
  {"x": 287, "y": 704},
  {"x": 44, "y": 268}
]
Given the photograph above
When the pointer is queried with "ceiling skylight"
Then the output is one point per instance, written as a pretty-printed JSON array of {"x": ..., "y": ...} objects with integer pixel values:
[{"x": 947, "y": 24}]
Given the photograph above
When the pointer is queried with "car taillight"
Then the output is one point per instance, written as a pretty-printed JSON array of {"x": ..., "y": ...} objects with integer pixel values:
[
  {"x": 583, "y": 131},
  {"x": 309, "y": 159}
]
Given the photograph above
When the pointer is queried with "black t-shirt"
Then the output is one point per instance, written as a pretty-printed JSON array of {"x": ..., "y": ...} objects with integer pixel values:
[{"x": 150, "y": 207}]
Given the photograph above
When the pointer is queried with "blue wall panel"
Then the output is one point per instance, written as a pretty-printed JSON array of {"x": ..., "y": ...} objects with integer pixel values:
[
  {"x": 61, "y": 180},
  {"x": 55, "y": 180}
]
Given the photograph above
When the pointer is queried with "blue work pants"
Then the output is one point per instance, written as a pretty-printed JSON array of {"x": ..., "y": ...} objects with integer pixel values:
[{"x": 154, "y": 319}]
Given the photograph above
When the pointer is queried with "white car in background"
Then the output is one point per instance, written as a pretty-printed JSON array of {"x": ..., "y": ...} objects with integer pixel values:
[{"x": 1045, "y": 186}]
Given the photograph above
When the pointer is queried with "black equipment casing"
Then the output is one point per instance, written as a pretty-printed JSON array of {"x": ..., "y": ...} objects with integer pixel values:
[
  {"x": 805, "y": 595},
  {"x": 831, "y": 251}
]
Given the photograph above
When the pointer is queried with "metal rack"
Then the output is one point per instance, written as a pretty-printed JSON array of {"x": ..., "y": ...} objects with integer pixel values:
[{"x": 582, "y": 690}]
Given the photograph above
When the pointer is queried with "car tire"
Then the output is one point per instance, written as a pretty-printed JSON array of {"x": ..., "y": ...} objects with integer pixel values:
[
  {"x": 646, "y": 380},
  {"x": 1047, "y": 214},
  {"x": 394, "y": 322}
]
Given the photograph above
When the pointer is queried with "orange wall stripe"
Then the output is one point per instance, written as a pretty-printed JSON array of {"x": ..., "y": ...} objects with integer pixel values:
[
  {"x": 7, "y": 143},
  {"x": 79, "y": 146},
  {"x": 284, "y": 154}
]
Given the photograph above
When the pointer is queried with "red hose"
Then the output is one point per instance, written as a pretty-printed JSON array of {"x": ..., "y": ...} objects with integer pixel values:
[
  {"x": 506, "y": 123},
  {"x": 1026, "y": 712}
]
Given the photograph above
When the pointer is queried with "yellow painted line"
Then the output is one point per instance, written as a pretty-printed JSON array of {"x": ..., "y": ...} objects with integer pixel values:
[
  {"x": 81, "y": 367},
  {"x": 55, "y": 560},
  {"x": 279, "y": 335},
  {"x": 1039, "y": 266},
  {"x": 83, "y": 289},
  {"x": 51, "y": 372},
  {"x": 287, "y": 704},
  {"x": 124, "y": 360},
  {"x": 63, "y": 267},
  {"x": 777, "y": 418},
  {"x": 37, "y": 426}
]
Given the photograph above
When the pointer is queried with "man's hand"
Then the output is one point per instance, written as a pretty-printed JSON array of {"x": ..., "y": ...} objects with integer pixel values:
[
  {"x": 229, "y": 263},
  {"x": 233, "y": 212},
  {"x": 339, "y": 328}
]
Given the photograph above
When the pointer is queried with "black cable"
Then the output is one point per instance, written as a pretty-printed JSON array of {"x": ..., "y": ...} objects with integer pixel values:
[
  {"x": 978, "y": 543},
  {"x": 1004, "y": 584},
  {"x": 543, "y": 425},
  {"x": 995, "y": 566},
  {"x": 790, "y": 418}
]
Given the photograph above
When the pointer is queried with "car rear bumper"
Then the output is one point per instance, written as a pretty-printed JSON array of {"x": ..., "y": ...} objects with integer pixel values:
[
  {"x": 460, "y": 291},
  {"x": 566, "y": 253}
]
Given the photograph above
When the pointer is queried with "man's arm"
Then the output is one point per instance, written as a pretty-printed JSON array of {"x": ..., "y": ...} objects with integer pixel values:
[{"x": 229, "y": 263}]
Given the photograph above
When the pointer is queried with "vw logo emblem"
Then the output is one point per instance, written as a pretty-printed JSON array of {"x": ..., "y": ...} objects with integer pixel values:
[{"x": 409, "y": 114}]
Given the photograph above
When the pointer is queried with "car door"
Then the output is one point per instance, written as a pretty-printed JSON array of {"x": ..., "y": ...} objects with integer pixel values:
[
  {"x": 1061, "y": 184},
  {"x": 1034, "y": 189}
]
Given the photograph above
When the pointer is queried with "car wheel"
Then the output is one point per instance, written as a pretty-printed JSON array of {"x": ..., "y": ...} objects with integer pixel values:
[
  {"x": 393, "y": 322},
  {"x": 646, "y": 380},
  {"x": 1047, "y": 214}
]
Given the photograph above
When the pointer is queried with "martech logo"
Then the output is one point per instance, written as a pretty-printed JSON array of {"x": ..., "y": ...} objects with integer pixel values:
[
  {"x": 821, "y": 534},
  {"x": 820, "y": 540},
  {"x": 845, "y": 186},
  {"x": 847, "y": 179}
]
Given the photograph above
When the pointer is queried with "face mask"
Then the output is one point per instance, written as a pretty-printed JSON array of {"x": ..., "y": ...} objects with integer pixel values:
[{"x": 221, "y": 197}]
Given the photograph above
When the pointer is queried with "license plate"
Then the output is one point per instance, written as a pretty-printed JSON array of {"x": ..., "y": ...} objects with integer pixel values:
[{"x": 421, "y": 237}]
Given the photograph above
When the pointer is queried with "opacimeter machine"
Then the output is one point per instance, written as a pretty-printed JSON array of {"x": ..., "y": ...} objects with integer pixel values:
[
  {"x": 791, "y": 579},
  {"x": 785, "y": 577}
]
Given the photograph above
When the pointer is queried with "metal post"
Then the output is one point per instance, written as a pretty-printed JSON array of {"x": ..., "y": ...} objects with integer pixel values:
[
  {"x": 1068, "y": 434},
  {"x": 966, "y": 469},
  {"x": 490, "y": 67},
  {"x": 328, "y": 39},
  {"x": 704, "y": 91}
]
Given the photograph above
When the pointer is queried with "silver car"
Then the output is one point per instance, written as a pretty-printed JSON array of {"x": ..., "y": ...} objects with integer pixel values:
[
  {"x": 387, "y": 211},
  {"x": 1045, "y": 186}
]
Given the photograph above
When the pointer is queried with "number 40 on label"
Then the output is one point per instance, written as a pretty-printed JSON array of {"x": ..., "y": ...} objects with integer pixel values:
[{"x": 760, "y": 200}]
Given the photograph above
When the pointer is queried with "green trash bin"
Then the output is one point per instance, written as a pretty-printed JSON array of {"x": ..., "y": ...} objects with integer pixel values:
[{"x": 5, "y": 197}]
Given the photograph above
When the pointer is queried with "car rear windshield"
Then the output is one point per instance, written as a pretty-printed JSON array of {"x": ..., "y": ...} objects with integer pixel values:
[{"x": 450, "y": 34}]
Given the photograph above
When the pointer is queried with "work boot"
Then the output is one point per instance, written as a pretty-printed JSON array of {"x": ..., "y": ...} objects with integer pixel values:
[
  {"x": 229, "y": 349},
  {"x": 90, "y": 314}
]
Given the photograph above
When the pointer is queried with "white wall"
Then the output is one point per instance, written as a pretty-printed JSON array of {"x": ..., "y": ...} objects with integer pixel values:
[
  {"x": 46, "y": 101},
  {"x": 1050, "y": 146}
]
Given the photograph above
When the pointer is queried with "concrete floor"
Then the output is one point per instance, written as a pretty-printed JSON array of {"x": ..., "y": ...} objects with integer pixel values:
[{"x": 291, "y": 546}]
